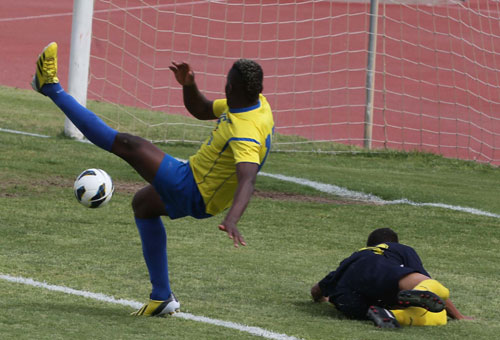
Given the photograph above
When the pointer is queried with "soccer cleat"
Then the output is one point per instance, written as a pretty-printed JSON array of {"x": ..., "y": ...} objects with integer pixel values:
[
  {"x": 421, "y": 298},
  {"x": 382, "y": 318},
  {"x": 46, "y": 68},
  {"x": 159, "y": 308}
]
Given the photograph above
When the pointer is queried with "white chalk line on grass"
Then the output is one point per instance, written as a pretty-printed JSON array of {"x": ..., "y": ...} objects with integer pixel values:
[
  {"x": 343, "y": 192},
  {"x": 136, "y": 305},
  {"x": 24, "y": 133},
  {"x": 360, "y": 196}
]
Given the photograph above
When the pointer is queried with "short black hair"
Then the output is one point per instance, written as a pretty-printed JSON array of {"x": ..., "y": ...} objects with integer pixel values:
[
  {"x": 252, "y": 77},
  {"x": 382, "y": 235}
]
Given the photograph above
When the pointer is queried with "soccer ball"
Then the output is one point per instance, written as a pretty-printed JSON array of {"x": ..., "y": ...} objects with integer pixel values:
[{"x": 93, "y": 188}]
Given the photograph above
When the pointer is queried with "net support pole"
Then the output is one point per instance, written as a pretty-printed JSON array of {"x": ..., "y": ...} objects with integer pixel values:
[
  {"x": 370, "y": 73},
  {"x": 79, "y": 58}
]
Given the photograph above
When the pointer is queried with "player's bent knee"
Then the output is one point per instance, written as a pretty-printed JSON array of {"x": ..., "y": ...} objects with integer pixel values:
[
  {"x": 147, "y": 203},
  {"x": 140, "y": 206}
]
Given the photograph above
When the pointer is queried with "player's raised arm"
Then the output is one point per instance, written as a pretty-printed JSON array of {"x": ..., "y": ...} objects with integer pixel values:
[{"x": 196, "y": 103}]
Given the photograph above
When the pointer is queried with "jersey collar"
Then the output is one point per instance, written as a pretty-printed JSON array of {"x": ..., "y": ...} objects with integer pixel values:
[{"x": 245, "y": 109}]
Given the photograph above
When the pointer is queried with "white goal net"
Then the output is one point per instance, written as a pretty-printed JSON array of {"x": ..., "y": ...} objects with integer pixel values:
[{"x": 437, "y": 83}]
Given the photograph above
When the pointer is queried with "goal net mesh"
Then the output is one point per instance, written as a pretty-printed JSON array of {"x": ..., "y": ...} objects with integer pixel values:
[{"x": 437, "y": 86}]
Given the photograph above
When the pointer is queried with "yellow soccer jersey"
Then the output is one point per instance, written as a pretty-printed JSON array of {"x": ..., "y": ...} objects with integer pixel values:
[{"x": 241, "y": 135}]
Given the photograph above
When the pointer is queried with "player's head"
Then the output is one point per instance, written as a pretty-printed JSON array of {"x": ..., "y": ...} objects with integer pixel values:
[
  {"x": 244, "y": 82},
  {"x": 381, "y": 235}
]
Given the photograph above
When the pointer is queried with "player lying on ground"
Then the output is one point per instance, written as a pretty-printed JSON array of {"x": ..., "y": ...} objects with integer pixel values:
[
  {"x": 220, "y": 175},
  {"x": 386, "y": 283}
]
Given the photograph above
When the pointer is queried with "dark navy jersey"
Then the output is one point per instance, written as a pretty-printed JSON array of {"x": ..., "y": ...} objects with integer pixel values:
[
  {"x": 404, "y": 256},
  {"x": 373, "y": 273}
]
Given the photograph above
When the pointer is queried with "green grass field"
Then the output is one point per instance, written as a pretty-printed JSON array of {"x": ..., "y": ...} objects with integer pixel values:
[{"x": 295, "y": 236}]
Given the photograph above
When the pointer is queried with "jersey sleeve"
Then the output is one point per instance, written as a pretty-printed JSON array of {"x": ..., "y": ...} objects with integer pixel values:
[
  {"x": 245, "y": 150},
  {"x": 219, "y": 106}
]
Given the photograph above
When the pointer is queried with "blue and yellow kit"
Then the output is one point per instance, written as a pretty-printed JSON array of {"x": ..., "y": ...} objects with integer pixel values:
[{"x": 241, "y": 135}]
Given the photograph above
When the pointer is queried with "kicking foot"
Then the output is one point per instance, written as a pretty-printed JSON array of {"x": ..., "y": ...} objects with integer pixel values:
[{"x": 46, "y": 68}]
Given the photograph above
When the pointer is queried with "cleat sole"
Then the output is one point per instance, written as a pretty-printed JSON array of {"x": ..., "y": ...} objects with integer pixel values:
[{"x": 423, "y": 299}]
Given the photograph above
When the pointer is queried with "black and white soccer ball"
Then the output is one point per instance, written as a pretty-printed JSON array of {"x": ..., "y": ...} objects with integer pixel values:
[{"x": 93, "y": 188}]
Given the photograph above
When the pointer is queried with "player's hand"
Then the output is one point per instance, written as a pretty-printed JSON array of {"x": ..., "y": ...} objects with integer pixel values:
[
  {"x": 233, "y": 233},
  {"x": 183, "y": 73}
]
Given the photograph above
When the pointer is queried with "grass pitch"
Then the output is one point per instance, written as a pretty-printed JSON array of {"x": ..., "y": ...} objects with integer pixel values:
[{"x": 295, "y": 236}]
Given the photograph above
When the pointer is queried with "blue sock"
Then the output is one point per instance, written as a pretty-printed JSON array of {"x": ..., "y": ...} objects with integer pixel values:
[
  {"x": 154, "y": 249},
  {"x": 85, "y": 120}
]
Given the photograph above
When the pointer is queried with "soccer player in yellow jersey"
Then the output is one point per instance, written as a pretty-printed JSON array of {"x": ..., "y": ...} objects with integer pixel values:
[{"x": 220, "y": 175}]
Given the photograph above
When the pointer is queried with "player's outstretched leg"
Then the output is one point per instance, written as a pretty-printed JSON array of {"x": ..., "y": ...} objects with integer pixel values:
[
  {"x": 141, "y": 155},
  {"x": 46, "y": 82}
]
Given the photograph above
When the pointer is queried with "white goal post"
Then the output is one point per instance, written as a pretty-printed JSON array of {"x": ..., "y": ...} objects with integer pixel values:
[
  {"x": 79, "y": 58},
  {"x": 435, "y": 79}
]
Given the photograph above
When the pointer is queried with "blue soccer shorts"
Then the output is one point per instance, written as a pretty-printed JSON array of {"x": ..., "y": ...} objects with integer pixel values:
[{"x": 177, "y": 188}]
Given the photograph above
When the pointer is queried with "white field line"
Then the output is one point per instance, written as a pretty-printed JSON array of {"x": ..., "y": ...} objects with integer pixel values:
[
  {"x": 361, "y": 196},
  {"x": 136, "y": 305},
  {"x": 24, "y": 133},
  {"x": 339, "y": 191}
]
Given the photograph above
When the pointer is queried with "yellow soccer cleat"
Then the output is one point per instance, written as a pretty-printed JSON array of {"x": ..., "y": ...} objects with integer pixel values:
[
  {"x": 159, "y": 308},
  {"x": 46, "y": 68}
]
